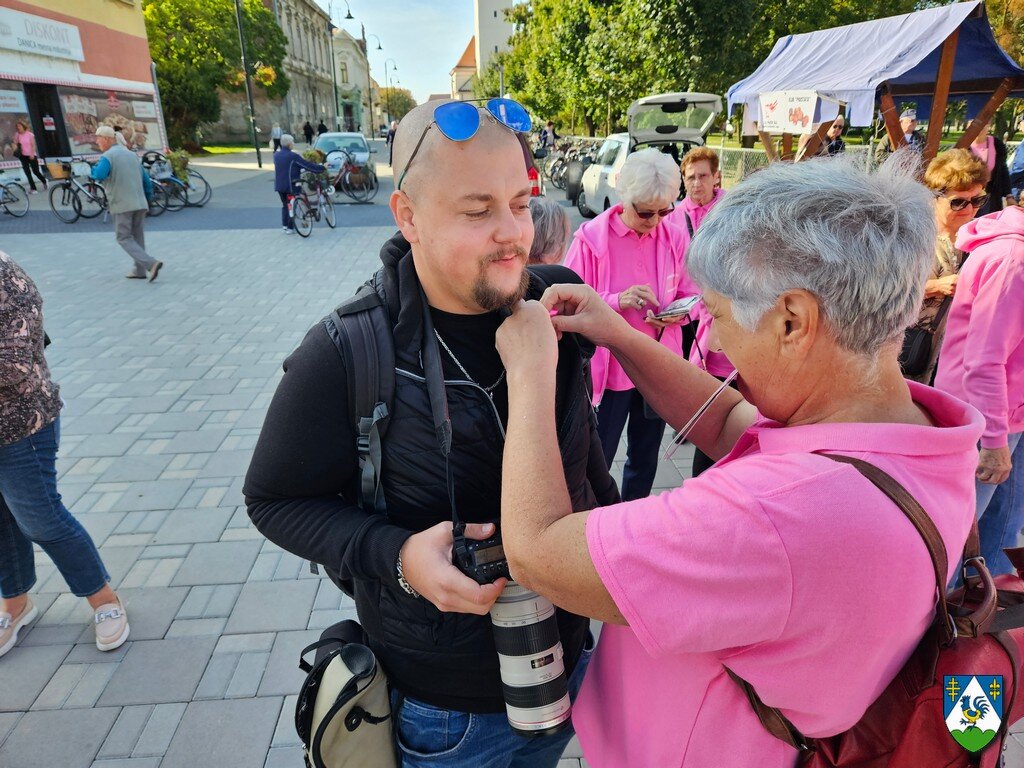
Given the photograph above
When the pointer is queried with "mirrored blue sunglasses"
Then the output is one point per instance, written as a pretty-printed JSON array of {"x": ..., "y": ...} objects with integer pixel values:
[{"x": 460, "y": 120}]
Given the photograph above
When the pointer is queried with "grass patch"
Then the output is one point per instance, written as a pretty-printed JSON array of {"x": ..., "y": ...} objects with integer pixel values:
[{"x": 226, "y": 149}]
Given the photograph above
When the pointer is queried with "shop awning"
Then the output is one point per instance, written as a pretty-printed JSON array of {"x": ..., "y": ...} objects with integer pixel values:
[{"x": 901, "y": 53}]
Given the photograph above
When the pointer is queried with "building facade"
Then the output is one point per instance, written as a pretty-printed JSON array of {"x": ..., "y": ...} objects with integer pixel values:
[
  {"x": 67, "y": 68},
  {"x": 492, "y": 32},
  {"x": 463, "y": 74},
  {"x": 307, "y": 63},
  {"x": 352, "y": 71}
]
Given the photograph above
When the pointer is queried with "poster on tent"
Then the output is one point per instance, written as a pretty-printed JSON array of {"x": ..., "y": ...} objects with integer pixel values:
[{"x": 795, "y": 111}]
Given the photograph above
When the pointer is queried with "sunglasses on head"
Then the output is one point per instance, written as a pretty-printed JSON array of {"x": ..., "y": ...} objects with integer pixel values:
[
  {"x": 959, "y": 203},
  {"x": 645, "y": 215},
  {"x": 460, "y": 120}
]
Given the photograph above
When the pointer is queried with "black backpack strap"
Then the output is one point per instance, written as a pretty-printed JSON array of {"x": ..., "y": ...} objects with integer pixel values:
[{"x": 361, "y": 330}]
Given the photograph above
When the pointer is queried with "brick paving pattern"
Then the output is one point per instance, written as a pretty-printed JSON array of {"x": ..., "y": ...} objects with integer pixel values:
[{"x": 166, "y": 385}]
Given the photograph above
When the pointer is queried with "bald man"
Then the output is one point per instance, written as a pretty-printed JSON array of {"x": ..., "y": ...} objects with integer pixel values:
[{"x": 465, "y": 229}]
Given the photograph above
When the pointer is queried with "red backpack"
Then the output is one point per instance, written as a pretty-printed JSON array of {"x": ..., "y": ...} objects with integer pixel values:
[{"x": 977, "y": 631}]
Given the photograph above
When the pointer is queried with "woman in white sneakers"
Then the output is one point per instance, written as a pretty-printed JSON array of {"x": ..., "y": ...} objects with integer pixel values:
[{"x": 31, "y": 510}]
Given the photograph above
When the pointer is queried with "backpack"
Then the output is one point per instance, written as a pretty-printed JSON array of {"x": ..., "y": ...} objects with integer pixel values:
[{"x": 976, "y": 631}]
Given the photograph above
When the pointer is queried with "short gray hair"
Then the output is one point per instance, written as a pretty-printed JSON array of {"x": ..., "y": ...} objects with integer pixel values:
[
  {"x": 550, "y": 230},
  {"x": 287, "y": 140},
  {"x": 861, "y": 242},
  {"x": 648, "y": 175}
]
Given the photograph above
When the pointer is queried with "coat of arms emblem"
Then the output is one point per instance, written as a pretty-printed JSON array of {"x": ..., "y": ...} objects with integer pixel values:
[{"x": 973, "y": 707}]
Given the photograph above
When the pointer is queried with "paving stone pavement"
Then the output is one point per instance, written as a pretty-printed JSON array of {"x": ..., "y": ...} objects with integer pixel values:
[{"x": 166, "y": 386}]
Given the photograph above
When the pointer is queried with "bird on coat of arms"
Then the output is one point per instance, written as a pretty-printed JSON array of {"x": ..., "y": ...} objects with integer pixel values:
[{"x": 972, "y": 716}]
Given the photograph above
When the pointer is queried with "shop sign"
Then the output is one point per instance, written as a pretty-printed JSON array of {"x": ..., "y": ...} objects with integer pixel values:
[
  {"x": 49, "y": 124},
  {"x": 13, "y": 101},
  {"x": 43, "y": 37},
  {"x": 144, "y": 109}
]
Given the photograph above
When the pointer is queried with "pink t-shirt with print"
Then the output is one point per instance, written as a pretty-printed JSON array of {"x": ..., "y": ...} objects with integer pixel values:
[
  {"x": 26, "y": 141},
  {"x": 789, "y": 568}
]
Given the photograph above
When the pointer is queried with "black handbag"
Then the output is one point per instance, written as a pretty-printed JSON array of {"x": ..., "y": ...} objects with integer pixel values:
[
  {"x": 540, "y": 153},
  {"x": 918, "y": 340}
]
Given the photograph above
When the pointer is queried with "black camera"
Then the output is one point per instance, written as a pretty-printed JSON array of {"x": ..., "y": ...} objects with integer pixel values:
[
  {"x": 526, "y": 637},
  {"x": 483, "y": 561}
]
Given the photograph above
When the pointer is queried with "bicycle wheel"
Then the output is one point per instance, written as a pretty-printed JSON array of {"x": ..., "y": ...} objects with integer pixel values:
[
  {"x": 302, "y": 216},
  {"x": 157, "y": 201},
  {"x": 64, "y": 202},
  {"x": 327, "y": 211},
  {"x": 356, "y": 186},
  {"x": 94, "y": 201},
  {"x": 559, "y": 178},
  {"x": 199, "y": 189},
  {"x": 372, "y": 185},
  {"x": 14, "y": 199},
  {"x": 176, "y": 199}
]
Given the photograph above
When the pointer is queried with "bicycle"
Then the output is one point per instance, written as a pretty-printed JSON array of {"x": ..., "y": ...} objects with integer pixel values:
[
  {"x": 169, "y": 192},
  {"x": 304, "y": 210},
  {"x": 71, "y": 199},
  {"x": 354, "y": 180},
  {"x": 13, "y": 199}
]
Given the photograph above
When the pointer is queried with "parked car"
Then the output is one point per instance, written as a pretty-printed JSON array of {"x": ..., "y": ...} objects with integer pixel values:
[
  {"x": 674, "y": 122},
  {"x": 353, "y": 143}
]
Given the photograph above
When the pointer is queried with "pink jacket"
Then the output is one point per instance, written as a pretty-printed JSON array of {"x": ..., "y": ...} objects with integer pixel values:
[
  {"x": 591, "y": 257},
  {"x": 982, "y": 359}
]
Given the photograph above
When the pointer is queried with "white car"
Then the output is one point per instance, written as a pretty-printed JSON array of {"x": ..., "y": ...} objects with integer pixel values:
[
  {"x": 666, "y": 121},
  {"x": 353, "y": 143}
]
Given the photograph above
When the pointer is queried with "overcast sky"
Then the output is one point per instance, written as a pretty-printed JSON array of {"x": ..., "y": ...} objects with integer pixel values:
[{"x": 424, "y": 37}]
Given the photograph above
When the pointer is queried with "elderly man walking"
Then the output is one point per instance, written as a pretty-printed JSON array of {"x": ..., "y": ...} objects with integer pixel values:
[{"x": 128, "y": 191}]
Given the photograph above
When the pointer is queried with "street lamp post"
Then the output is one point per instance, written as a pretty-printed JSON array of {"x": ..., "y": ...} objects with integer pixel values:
[
  {"x": 334, "y": 62},
  {"x": 248, "y": 84},
  {"x": 394, "y": 68},
  {"x": 369, "y": 80}
]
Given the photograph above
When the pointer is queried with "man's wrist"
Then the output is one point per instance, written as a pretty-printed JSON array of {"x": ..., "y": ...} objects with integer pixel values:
[{"x": 400, "y": 577}]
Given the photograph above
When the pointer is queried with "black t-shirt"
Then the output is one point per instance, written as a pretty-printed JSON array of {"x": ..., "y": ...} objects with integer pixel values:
[{"x": 471, "y": 339}]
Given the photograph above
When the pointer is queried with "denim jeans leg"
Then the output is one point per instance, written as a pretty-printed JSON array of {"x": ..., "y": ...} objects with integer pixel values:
[
  {"x": 17, "y": 562},
  {"x": 28, "y": 484},
  {"x": 1001, "y": 511}
]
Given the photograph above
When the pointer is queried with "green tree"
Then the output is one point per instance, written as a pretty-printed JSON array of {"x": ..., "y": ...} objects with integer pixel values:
[
  {"x": 397, "y": 101},
  {"x": 195, "y": 46}
]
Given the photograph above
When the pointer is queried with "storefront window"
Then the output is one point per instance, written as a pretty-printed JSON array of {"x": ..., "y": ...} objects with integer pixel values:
[
  {"x": 85, "y": 110},
  {"x": 12, "y": 109}
]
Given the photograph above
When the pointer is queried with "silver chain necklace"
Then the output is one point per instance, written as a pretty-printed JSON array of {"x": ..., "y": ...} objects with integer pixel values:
[{"x": 465, "y": 373}]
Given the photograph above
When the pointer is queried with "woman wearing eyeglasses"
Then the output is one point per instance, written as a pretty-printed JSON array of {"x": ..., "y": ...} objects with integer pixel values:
[
  {"x": 957, "y": 179},
  {"x": 637, "y": 264}
]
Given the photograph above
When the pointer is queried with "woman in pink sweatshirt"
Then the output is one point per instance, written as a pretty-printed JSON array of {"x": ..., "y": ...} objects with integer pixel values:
[
  {"x": 982, "y": 363},
  {"x": 636, "y": 262}
]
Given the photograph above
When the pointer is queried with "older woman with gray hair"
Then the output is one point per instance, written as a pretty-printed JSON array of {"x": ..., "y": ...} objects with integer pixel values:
[
  {"x": 783, "y": 564},
  {"x": 636, "y": 263},
  {"x": 550, "y": 231}
]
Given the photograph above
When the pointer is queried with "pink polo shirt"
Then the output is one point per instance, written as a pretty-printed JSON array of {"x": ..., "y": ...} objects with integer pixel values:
[{"x": 789, "y": 568}]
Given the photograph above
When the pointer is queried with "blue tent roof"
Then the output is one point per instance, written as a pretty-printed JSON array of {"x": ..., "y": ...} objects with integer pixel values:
[{"x": 850, "y": 63}]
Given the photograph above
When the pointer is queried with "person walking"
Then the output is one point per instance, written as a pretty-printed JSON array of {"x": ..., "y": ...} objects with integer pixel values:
[
  {"x": 27, "y": 152},
  {"x": 307, "y": 131},
  {"x": 128, "y": 189},
  {"x": 288, "y": 166},
  {"x": 275, "y": 136},
  {"x": 321, "y": 128},
  {"x": 31, "y": 510},
  {"x": 390, "y": 141}
]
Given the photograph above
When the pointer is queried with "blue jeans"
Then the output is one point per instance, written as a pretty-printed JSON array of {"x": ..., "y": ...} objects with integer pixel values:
[
  {"x": 431, "y": 737},
  {"x": 1001, "y": 511},
  {"x": 31, "y": 511}
]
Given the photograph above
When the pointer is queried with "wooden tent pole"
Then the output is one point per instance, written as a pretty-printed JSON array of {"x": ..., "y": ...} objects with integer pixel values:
[
  {"x": 769, "y": 146},
  {"x": 787, "y": 146},
  {"x": 938, "y": 116},
  {"x": 892, "y": 122},
  {"x": 817, "y": 139},
  {"x": 986, "y": 113}
]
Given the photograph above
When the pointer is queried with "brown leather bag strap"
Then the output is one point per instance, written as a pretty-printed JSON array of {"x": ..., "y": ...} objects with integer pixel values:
[
  {"x": 910, "y": 507},
  {"x": 772, "y": 719}
]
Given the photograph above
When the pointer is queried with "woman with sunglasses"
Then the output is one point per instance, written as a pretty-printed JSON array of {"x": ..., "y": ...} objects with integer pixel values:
[
  {"x": 957, "y": 179},
  {"x": 637, "y": 264}
]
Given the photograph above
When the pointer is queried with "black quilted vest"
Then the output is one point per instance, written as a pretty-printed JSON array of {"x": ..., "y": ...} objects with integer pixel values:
[{"x": 449, "y": 659}]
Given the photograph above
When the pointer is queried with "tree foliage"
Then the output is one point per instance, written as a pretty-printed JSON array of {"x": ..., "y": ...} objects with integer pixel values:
[
  {"x": 197, "y": 53},
  {"x": 584, "y": 61},
  {"x": 397, "y": 101}
]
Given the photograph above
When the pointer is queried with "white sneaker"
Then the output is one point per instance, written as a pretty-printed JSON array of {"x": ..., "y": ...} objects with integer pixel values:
[
  {"x": 111, "y": 623},
  {"x": 288, "y": 230},
  {"x": 9, "y": 626}
]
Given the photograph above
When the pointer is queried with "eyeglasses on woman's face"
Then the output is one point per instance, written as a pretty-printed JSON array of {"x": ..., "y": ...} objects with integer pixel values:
[
  {"x": 646, "y": 215},
  {"x": 960, "y": 203}
]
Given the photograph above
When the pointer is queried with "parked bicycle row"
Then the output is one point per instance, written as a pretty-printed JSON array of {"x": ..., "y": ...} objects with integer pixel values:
[{"x": 73, "y": 195}]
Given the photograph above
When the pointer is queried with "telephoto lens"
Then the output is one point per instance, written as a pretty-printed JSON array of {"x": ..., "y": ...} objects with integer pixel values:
[{"x": 532, "y": 668}]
